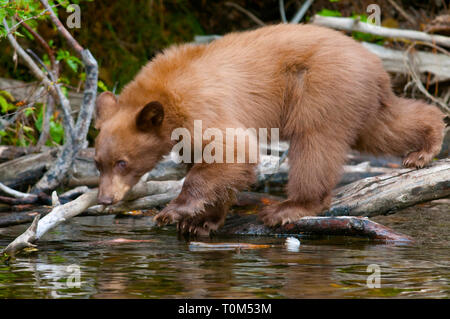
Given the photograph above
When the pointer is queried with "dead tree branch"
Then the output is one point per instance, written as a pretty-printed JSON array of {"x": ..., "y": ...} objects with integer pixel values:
[
  {"x": 349, "y": 24},
  {"x": 53, "y": 177},
  {"x": 246, "y": 12},
  {"x": 62, "y": 213},
  {"x": 302, "y": 11}
]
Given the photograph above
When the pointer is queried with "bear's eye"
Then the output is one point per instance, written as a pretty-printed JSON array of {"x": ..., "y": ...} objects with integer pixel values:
[
  {"x": 97, "y": 165},
  {"x": 121, "y": 164}
]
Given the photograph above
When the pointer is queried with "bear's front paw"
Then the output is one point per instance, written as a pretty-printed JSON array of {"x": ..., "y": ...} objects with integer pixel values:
[
  {"x": 284, "y": 213},
  {"x": 174, "y": 213}
]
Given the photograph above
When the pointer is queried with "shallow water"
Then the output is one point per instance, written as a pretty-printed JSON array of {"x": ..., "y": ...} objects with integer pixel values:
[{"x": 165, "y": 266}]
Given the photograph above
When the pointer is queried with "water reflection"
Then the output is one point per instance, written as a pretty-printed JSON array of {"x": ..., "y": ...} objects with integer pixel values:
[{"x": 325, "y": 267}]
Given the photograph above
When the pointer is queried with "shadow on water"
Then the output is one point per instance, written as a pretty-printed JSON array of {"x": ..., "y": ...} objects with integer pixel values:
[{"x": 164, "y": 266}]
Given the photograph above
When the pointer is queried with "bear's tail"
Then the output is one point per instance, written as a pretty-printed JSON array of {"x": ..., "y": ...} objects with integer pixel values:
[{"x": 411, "y": 129}]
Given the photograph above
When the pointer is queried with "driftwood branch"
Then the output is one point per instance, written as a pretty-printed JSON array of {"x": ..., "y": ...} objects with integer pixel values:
[
  {"x": 349, "y": 24},
  {"x": 368, "y": 197},
  {"x": 61, "y": 213}
]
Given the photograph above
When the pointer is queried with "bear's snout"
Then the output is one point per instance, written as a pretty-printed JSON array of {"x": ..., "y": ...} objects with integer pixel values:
[{"x": 105, "y": 200}]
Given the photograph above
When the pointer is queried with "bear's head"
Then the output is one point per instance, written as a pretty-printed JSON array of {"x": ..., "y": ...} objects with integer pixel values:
[{"x": 130, "y": 143}]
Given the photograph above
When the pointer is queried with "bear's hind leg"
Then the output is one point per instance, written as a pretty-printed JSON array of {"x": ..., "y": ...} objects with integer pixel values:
[
  {"x": 407, "y": 128},
  {"x": 315, "y": 164}
]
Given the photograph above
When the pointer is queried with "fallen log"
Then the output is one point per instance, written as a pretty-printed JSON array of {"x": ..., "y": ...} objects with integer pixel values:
[
  {"x": 84, "y": 172},
  {"x": 26, "y": 170},
  {"x": 340, "y": 226},
  {"x": 350, "y": 24},
  {"x": 425, "y": 62},
  {"x": 8, "y": 153},
  {"x": 388, "y": 193},
  {"x": 368, "y": 197}
]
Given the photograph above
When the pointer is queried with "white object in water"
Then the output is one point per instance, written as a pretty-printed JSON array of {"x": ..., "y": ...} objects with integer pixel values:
[{"x": 292, "y": 244}]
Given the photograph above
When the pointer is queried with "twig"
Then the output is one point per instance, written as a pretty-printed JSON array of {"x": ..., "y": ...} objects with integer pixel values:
[
  {"x": 45, "y": 132},
  {"x": 14, "y": 27},
  {"x": 408, "y": 61},
  {"x": 43, "y": 43},
  {"x": 61, "y": 29},
  {"x": 301, "y": 12},
  {"x": 403, "y": 12},
  {"x": 13, "y": 192},
  {"x": 393, "y": 61},
  {"x": 51, "y": 85},
  {"x": 282, "y": 11},
  {"x": 349, "y": 24},
  {"x": 245, "y": 11},
  {"x": 69, "y": 133}
]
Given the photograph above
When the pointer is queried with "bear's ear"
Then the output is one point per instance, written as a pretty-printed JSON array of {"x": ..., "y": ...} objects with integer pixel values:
[
  {"x": 151, "y": 116},
  {"x": 105, "y": 107}
]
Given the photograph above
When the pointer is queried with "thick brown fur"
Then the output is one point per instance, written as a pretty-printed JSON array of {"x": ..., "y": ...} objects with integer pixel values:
[{"x": 323, "y": 90}]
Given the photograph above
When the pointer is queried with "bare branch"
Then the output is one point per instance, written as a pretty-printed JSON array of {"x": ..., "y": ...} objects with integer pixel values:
[
  {"x": 43, "y": 43},
  {"x": 50, "y": 84},
  {"x": 408, "y": 61},
  {"x": 13, "y": 193},
  {"x": 14, "y": 27},
  {"x": 403, "y": 12},
  {"x": 61, "y": 29},
  {"x": 349, "y": 24},
  {"x": 282, "y": 11},
  {"x": 301, "y": 12},
  {"x": 245, "y": 11}
]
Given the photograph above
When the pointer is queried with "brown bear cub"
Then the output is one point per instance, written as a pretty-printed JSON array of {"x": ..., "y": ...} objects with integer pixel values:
[{"x": 324, "y": 91}]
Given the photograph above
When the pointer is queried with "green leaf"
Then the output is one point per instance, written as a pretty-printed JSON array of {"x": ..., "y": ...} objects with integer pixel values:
[
  {"x": 329, "y": 13},
  {"x": 4, "y": 104},
  {"x": 29, "y": 111},
  {"x": 72, "y": 64},
  {"x": 56, "y": 132},
  {"x": 102, "y": 86},
  {"x": 7, "y": 95},
  {"x": 39, "y": 119}
]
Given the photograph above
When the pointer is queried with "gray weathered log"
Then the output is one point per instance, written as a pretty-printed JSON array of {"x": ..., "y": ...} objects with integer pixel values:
[
  {"x": 388, "y": 193},
  {"x": 26, "y": 170},
  {"x": 393, "y": 61},
  {"x": 350, "y": 24}
]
